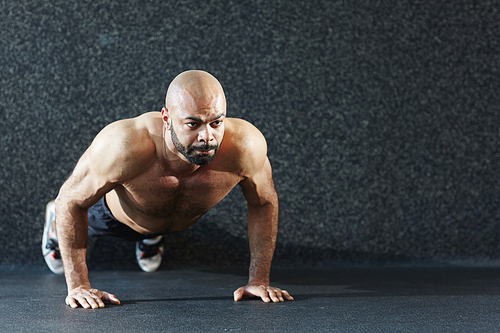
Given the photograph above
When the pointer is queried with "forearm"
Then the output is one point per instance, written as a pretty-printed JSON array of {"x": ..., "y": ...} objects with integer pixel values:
[
  {"x": 262, "y": 232},
  {"x": 72, "y": 234}
]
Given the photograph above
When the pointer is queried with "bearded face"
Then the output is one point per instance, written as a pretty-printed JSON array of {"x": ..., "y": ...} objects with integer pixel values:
[{"x": 199, "y": 154}]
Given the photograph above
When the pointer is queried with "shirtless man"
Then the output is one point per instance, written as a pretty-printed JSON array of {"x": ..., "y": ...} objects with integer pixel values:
[{"x": 159, "y": 173}]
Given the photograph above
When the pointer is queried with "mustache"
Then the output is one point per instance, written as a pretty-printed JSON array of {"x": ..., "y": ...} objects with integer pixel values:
[{"x": 203, "y": 147}]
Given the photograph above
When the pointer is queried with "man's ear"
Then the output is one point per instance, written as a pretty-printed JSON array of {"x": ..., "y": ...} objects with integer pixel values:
[{"x": 165, "y": 115}]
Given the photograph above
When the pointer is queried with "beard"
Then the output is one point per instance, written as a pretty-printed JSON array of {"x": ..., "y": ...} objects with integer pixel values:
[{"x": 190, "y": 152}]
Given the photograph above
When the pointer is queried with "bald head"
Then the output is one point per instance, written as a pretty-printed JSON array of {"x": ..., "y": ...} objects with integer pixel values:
[
  {"x": 197, "y": 87},
  {"x": 194, "y": 112}
]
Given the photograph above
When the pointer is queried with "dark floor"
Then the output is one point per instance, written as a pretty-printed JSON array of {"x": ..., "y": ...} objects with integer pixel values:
[{"x": 411, "y": 299}]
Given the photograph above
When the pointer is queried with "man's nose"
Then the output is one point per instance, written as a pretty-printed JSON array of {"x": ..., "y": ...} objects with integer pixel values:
[{"x": 206, "y": 134}]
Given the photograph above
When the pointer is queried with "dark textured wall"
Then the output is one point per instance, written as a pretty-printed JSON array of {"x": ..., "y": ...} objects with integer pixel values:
[{"x": 381, "y": 118}]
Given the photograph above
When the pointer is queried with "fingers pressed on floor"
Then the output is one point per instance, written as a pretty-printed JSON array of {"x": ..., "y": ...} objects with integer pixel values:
[{"x": 72, "y": 303}]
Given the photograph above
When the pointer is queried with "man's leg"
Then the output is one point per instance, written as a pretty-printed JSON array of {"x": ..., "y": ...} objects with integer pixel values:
[
  {"x": 149, "y": 251},
  {"x": 149, "y": 248}
]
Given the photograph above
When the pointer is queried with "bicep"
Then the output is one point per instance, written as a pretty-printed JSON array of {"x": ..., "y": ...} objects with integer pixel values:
[
  {"x": 85, "y": 186},
  {"x": 258, "y": 188},
  {"x": 117, "y": 154}
]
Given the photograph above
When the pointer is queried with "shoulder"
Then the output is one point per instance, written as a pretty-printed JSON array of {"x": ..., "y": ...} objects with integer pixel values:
[
  {"x": 248, "y": 145},
  {"x": 124, "y": 148},
  {"x": 241, "y": 129}
]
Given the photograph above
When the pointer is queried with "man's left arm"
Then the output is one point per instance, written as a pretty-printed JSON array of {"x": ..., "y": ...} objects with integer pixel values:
[{"x": 262, "y": 201}]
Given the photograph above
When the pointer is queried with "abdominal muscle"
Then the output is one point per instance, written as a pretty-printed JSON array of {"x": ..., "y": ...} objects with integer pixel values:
[{"x": 143, "y": 224}]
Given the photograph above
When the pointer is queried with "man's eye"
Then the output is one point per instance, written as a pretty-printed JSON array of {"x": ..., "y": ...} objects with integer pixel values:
[
  {"x": 192, "y": 124},
  {"x": 217, "y": 122}
]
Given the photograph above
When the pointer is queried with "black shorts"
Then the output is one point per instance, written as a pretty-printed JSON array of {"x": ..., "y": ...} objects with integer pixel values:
[{"x": 103, "y": 223}]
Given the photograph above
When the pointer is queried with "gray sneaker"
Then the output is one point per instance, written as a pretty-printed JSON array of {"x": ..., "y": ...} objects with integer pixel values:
[{"x": 50, "y": 247}]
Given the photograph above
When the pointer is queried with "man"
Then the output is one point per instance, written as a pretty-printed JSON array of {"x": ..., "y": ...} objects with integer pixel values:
[{"x": 159, "y": 173}]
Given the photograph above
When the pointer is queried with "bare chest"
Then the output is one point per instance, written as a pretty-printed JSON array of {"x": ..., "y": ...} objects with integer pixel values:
[{"x": 159, "y": 200}]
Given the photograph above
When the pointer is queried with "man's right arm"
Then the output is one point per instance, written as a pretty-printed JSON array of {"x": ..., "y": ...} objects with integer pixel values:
[
  {"x": 118, "y": 153},
  {"x": 75, "y": 197}
]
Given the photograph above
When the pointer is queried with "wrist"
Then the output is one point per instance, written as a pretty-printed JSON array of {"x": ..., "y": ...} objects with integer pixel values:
[{"x": 259, "y": 281}]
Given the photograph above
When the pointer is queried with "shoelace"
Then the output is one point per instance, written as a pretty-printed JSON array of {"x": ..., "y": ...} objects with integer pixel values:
[
  {"x": 148, "y": 251},
  {"x": 53, "y": 246}
]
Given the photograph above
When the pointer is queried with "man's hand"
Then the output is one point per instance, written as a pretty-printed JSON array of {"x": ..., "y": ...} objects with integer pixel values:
[
  {"x": 262, "y": 290},
  {"x": 89, "y": 298}
]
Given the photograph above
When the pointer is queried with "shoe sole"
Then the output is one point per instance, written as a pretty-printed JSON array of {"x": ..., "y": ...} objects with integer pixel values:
[{"x": 56, "y": 269}]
